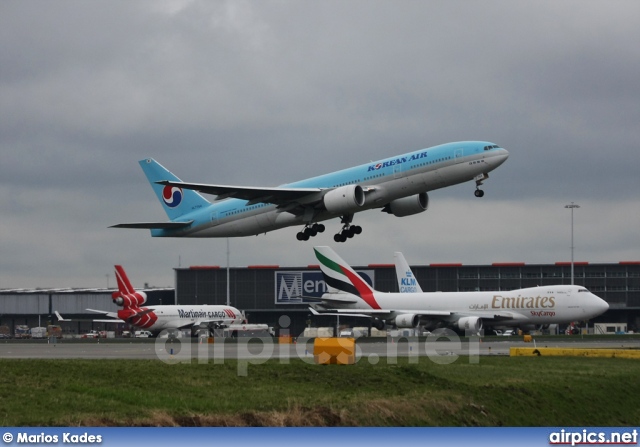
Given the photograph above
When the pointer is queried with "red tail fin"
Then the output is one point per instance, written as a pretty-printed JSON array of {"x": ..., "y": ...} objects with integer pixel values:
[
  {"x": 124, "y": 285},
  {"x": 126, "y": 296}
]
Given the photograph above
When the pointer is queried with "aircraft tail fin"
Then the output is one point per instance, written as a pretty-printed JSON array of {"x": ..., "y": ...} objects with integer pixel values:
[
  {"x": 407, "y": 283},
  {"x": 175, "y": 201},
  {"x": 124, "y": 285},
  {"x": 127, "y": 296},
  {"x": 340, "y": 277}
]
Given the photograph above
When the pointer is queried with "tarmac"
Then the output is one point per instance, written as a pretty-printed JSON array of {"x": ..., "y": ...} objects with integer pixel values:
[{"x": 260, "y": 350}]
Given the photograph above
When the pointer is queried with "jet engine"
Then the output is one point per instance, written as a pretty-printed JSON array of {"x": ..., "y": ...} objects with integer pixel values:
[
  {"x": 344, "y": 200},
  {"x": 407, "y": 206},
  {"x": 471, "y": 324},
  {"x": 378, "y": 324},
  {"x": 407, "y": 321},
  {"x": 135, "y": 299}
]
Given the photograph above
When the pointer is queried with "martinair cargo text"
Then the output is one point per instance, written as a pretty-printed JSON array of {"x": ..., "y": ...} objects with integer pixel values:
[
  {"x": 397, "y": 185},
  {"x": 349, "y": 295}
]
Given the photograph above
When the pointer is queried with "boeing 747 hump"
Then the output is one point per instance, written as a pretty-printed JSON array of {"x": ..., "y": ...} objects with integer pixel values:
[{"x": 396, "y": 185}]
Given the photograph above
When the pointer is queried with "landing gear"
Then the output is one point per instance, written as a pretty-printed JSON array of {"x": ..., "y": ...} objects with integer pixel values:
[
  {"x": 348, "y": 230},
  {"x": 310, "y": 231},
  {"x": 479, "y": 179}
]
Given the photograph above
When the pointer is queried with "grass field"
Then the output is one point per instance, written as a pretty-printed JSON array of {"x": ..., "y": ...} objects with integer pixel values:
[{"x": 498, "y": 391}]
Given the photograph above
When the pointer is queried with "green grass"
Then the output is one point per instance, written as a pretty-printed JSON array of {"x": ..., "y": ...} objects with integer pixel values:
[{"x": 498, "y": 391}]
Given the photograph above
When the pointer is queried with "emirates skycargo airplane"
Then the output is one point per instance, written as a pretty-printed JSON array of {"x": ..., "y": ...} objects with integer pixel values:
[
  {"x": 396, "y": 185},
  {"x": 158, "y": 318},
  {"x": 349, "y": 295}
]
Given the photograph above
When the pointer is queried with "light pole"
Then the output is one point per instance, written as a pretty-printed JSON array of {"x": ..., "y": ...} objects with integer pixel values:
[{"x": 572, "y": 207}]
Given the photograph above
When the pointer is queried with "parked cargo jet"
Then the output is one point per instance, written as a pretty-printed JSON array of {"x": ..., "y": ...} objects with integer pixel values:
[
  {"x": 349, "y": 295},
  {"x": 397, "y": 185},
  {"x": 158, "y": 318}
]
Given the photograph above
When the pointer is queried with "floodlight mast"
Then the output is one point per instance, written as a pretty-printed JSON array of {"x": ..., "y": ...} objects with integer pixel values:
[{"x": 572, "y": 207}]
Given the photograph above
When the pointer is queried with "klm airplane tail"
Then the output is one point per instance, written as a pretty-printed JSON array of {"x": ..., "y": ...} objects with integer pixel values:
[
  {"x": 407, "y": 283},
  {"x": 176, "y": 201}
]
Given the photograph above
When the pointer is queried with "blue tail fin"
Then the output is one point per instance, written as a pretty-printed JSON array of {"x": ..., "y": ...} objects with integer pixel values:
[{"x": 175, "y": 201}]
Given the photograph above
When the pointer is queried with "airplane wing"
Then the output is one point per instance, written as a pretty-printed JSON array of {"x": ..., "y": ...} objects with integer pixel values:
[
  {"x": 154, "y": 225},
  {"x": 277, "y": 196},
  {"x": 374, "y": 312},
  {"x": 113, "y": 320}
]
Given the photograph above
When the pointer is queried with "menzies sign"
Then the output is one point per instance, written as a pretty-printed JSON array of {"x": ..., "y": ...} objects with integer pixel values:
[{"x": 293, "y": 286}]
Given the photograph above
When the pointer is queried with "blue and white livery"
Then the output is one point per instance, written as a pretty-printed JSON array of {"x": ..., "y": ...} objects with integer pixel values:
[{"x": 396, "y": 185}]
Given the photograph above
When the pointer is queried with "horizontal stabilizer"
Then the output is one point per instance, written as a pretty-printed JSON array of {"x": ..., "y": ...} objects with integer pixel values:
[
  {"x": 333, "y": 299},
  {"x": 154, "y": 225},
  {"x": 343, "y": 313}
]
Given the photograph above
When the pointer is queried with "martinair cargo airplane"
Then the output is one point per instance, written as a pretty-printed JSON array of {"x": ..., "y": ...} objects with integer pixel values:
[
  {"x": 349, "y": 295},
  {"x": 158, "y": 318},
  {"x": 398, "y": 185}
]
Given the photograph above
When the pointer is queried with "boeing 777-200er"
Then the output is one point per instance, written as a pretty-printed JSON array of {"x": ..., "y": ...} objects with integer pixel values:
[
  {"x": 349, "y": 295},
  {"x": 398, "y": 185},
  {"x": 164, "y": 317}
]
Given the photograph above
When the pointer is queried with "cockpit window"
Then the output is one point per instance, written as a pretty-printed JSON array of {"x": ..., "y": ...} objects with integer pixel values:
[
  {"x": 495, "y": 146},
  {"x": 582, "y": 290}
]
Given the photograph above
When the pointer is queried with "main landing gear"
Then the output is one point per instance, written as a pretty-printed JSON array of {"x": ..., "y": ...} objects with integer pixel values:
[
  {"x": 348, "y": 230},
  {"x": 310, "y": 231}
]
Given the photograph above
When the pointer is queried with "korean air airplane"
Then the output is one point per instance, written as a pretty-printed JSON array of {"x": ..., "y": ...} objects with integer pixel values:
[
  {"x": 396, "y": 185},
  {"x": 349, "y": 295}
]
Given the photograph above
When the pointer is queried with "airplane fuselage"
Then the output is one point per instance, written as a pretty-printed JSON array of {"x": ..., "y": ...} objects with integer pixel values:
[
  {"x": 383, "y": 182},
  {"x": 180, "y": 316},
  {"x": 535, "y": 305}
]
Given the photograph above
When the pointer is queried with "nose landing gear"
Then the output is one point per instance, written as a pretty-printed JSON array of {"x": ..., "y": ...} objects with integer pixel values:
[{"x": 479, "y": 179}]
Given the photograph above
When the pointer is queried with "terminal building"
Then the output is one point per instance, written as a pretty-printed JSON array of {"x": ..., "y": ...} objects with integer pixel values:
[{"x": 268, "y": 292}]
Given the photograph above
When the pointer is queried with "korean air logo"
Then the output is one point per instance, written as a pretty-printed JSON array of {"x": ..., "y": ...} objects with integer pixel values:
[
  {"x": 172, "y": 196},
  {"x": 378, "y": 166}
]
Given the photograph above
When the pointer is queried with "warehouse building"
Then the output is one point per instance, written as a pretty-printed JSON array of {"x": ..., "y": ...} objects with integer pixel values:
[{"x": 266, "y": 293}]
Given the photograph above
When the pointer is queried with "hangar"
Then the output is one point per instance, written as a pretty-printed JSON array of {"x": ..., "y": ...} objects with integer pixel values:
[{"x": 267, "y": 292}]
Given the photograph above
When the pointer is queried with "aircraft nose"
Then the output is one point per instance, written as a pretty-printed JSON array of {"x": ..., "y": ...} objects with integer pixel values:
[
  {"x": 497, "y": 157},
  {"x": 602, "y": 305},
  {"x": 599, "y": 305},
  {"x": 502, "y": 155}
]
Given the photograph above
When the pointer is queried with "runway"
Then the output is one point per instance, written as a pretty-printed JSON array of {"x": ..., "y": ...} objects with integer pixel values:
[{"x": 185, "y": 350}]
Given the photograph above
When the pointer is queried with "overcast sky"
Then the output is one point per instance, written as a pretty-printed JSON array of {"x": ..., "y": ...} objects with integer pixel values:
[{"x": 262, "y": 93}]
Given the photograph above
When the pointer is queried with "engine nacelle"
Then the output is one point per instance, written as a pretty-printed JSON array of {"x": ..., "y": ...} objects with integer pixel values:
[
  {"x": 407, "y": 321},
  {"x": 126, "y": 300},
  {"x": 408, "y": 205},
  {"x": 471, "y": 324},
  {"x": 344, "y": 200}
]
